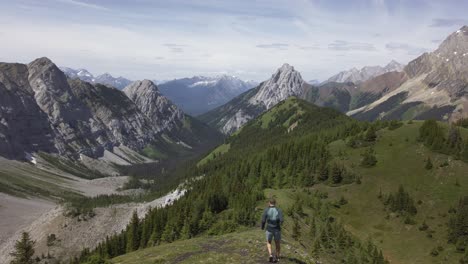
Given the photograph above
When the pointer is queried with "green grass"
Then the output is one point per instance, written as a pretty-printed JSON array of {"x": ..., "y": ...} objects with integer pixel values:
[
  {"x": 25, "y": 181},
  {"x": 153, "y": 153},
  {"x": 271, "y": 116},
  {"x": 401, "y": 160},
  {"x": 217, "y": 151},
  {"x": 246, "y": 246}
]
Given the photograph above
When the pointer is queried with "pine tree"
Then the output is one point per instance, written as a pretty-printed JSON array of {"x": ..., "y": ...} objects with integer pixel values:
[
  {"x": 168, "y": 234},
  {"x": 336, "y": 176},
  {"x": 370, "y": 136},
  {"x": 24, "y": 250},
  {"x": 454, "y": 140},
  {"x": 186, "y": 233},
  {"x": 133, "y": 233},
  {"x": 428, "y": 164}
]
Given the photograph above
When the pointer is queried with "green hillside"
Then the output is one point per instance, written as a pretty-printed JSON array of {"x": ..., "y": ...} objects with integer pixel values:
[{"x": 352, "y": 192}]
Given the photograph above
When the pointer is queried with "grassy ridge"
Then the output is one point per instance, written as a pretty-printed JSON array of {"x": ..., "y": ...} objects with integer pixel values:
[{"x": 401, "y": 161}]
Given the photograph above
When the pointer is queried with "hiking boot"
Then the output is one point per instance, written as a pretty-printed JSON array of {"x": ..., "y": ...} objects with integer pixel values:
[{"x": 270, "y": 259}]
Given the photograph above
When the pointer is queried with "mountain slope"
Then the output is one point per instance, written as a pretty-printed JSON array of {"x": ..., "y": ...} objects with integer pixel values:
[
  {"x": 200, "y": 94},
  {"x": 336, "y": 206},
  {"x": 230, "y": 117},
  {"x": 106, "y": 78},
  {"x": 348, "y": 96},
  {"x": 72, "y": 118},
  {"x": 356, "y": 76},
  {"x": 437, "y": 86}
]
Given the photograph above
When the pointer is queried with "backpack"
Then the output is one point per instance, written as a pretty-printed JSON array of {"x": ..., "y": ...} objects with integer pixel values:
[{"x": 273, "y": 216}]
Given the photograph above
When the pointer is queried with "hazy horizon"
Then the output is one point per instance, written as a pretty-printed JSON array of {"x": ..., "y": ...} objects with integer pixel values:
[{"x": 250, "y": 39}]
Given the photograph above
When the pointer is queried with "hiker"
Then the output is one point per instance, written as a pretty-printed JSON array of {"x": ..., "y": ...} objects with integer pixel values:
[{"x": 273, "y": 218}]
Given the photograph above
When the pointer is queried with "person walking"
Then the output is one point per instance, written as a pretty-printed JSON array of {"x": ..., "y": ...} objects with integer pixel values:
[{"x": 272, "y": 219}]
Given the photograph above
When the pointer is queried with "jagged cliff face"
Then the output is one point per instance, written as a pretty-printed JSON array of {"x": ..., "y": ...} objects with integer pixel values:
[
  {"x": 436, "y": 86},
  {"x": 23, "y": 125},
  {"x": 447, "y": 67},
  {"x": 163, "y": 114},
  {"x": 42, "y": 110},
  {"x": 284, "y": 83}
]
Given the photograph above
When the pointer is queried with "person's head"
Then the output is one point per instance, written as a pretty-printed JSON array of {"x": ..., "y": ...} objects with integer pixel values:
[{"x": 272, "y": 201}]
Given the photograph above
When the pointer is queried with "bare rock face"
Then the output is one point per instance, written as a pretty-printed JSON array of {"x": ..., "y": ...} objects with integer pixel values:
[
  {"x": 23, "y": 126},
  {"x": 284, "y": 83},
  {"x": 436, "y": 87},
  {"x": 447, "y": 67},
  {"x": 163, "y": 114},
  {"x": 42, "y": 110}
]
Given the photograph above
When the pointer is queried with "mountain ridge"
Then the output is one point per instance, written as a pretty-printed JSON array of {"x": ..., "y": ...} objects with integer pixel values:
[
  {"x": 74, "y": 118},
  {"x": 199, "y": 94},
  {"x": 105, "y": 78},
  {"x": 284, "y": 83},
  {"x": 356, "y": 76},
  {"x": 437, "y": 86}
]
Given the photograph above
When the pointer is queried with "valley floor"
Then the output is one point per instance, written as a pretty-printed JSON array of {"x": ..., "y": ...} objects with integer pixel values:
[{"x": 22, "y": 209}]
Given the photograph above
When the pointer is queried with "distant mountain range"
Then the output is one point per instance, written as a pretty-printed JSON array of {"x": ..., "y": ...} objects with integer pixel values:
[
  {"x": 106, "y": 78},
  {"x": 195, "y": 95},
  {"x": 355, "y": 75},
  {"x": 285, "y": 82},
  {"x": 434, "y": 85},
  {"x": 200, "y": 94},
  {"x": 44, "y": 111}
]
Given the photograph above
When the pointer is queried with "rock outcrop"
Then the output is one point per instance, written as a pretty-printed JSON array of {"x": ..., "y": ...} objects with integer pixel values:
[
  {"x": 43, "y": 110},
  {"x": 284, "y": 83},
  {"x": 436, "y": 86}
]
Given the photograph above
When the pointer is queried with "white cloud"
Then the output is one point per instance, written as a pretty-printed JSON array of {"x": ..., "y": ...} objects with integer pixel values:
[
  {"x": 183, "y": 38},
  {"x": 83, "y": 4}
]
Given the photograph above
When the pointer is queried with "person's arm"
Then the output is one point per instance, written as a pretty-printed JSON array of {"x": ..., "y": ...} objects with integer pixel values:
[{"x": 264, "y": 218}]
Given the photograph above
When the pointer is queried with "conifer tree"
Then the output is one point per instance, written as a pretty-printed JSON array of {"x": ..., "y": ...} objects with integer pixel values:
[
  {"x": 133, "y": 233},
  {"x": 185, "y": 233},
  {"x": 335, "y": 172},
  {"x": 24, "y": 250},
  {"x": 454, "y": 140},
  {"x": 370, "y": 136}
]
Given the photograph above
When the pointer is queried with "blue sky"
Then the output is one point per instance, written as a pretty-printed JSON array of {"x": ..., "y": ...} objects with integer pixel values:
[{"x": 247, "y": 38}]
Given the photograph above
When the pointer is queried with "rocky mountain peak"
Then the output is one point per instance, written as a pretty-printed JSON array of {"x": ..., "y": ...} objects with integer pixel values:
[
  {"x": 355, "y": 75},
  {"x": 285, "y": 82},
  {"x": 162, "y": 112},
  {"x": 393, "y": 65}
]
